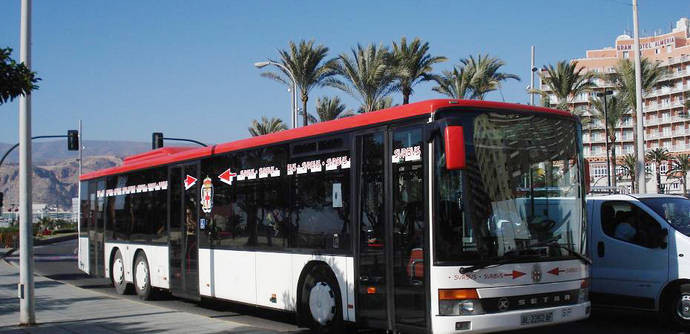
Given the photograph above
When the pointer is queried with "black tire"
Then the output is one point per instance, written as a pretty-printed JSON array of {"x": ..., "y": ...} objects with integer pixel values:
[
  {"x": 117, "y": 275},
  {"x": 676, "y": 306},
  {"x": 142, "y": 277},
  {"x": 320, "y": 306}
]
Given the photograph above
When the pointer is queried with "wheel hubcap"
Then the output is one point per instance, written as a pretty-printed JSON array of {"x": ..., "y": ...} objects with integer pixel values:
[
  {"x": 118, "y": 271},
  {"x": 683, "y": 308},
  {"x": 142, "y": 275},
  {"x": 322, "y": 303}
]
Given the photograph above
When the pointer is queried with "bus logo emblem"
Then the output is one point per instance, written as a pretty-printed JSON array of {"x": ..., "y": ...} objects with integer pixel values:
[
  {"x": 503, "y": 304},
  {"x": 536, "y": 274},
  {"x": 207, "y": 195}
]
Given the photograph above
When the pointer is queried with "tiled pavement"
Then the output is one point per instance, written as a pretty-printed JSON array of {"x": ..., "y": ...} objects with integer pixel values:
[{"x": 62, "y": 308}]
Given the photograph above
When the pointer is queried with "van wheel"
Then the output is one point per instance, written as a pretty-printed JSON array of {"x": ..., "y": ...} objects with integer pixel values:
[
  {"x": 677, "y": 306},
  {"x": 117, "y": 274},
  {"x": 142, "y": 277},
  {"x": 321, "y": 305}
]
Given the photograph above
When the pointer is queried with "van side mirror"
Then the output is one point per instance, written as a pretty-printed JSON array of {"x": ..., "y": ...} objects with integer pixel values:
[{"x": 455, "y": 147}]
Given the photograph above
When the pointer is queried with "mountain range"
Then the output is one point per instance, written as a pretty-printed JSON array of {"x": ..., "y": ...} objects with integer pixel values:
[{"x": 55, "y": 169}]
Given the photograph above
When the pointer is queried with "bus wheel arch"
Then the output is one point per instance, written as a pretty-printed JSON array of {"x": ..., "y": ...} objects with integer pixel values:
[
  {"x": 117, "y": 273},
  {"x": 674, "y": 303},
  {"x": 319, "y": 301},
  {"x": 141, "y": 275}
]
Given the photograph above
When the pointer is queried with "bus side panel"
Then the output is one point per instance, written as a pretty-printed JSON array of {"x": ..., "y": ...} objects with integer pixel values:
[
  {"x": 83, "y": 256},
  {"x": 273, "y": 286},
  {"x": 227, "y": 274},
  {"x": 343, "y": 269}
]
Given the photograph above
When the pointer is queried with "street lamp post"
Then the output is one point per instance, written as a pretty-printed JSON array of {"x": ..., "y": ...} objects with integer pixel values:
[
  {"x": 262, "y": 64},
  {"x": 606, "y": 136}
]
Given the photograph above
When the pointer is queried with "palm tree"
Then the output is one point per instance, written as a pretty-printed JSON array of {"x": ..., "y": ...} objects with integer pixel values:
[
  {"x": 616, "y": 109},
  {"x": 624, "y": 78},
  {"x": 628, "y": 165},
  {"x": 485, "y": 74},
  {"x": 307, "y": 63},
  {"x": 383, "y": 103},
  {"x": 368, "y": 75},
  {"x": 266, "y": 126},
  {"x": 330, "y": 108},
  {"x": 680, "y": 166},
  {"x": 412, "y": 65},
  {"x": 658, "y": 155},
  {"x": 454, "y": 84},
  {"x": 564, "y": 81}
]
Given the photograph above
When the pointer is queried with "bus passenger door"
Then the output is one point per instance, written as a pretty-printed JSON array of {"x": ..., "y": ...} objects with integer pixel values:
[
  {"x": 372, "y": 283},
  {"x": 183, "y": 246},
  {"x": 408, "y": 227}
]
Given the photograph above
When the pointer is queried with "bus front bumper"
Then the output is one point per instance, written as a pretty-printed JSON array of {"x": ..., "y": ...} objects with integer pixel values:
[{"x": 512, "y": 320}]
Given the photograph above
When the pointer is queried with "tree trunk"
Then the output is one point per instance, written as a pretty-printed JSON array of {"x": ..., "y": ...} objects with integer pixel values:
[
  {"x": 658, "y": 178},
  {"x": 406, "y": 95},
  {"x": 304, "y": 109},
  {"x": 685, "y": 186}
]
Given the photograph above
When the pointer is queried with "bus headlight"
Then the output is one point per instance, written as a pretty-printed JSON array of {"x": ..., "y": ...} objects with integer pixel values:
[{"x": 459, "y": 302}]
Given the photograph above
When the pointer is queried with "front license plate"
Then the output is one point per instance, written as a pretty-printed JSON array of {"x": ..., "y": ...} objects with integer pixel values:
[{"x": 536, "y": 318}]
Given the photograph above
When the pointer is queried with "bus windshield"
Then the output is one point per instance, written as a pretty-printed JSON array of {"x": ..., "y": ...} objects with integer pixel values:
[{"x": 520, "y": 196}]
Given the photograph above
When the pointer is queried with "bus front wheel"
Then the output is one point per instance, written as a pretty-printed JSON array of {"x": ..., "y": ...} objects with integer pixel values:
[
  {"x": 117, "y": 274},
  {"x": 321, "y": 303},
  {"x": 142, "y": 277}
]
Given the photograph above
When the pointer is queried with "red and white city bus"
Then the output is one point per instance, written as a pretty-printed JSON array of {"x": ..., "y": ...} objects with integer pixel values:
[{"x": 439, "y": 216}]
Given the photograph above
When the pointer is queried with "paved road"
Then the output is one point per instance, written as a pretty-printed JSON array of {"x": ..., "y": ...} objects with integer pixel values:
[{"x": 57, "y": 261}]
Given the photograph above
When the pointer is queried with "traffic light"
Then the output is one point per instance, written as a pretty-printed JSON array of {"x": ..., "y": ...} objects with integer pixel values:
[
  {"x": 72, "y": 140},
  {"x": 157, "y": 141}
]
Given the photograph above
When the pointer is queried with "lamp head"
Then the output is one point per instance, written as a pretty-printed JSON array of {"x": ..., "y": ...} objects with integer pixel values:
[{"x": 261, "y": 64}]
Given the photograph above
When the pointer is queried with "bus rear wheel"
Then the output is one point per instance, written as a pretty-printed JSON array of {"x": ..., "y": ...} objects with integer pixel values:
[
  {"x": 117, "y": 274},
  {"x": 321, "y": 304},
  {"x": 142, "y": 277}
]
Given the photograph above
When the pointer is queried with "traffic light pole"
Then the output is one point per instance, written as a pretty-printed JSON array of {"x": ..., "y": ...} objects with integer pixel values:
[{"x": 17, "y": 145}]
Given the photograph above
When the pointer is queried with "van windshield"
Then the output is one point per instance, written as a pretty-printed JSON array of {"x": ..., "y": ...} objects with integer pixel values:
[{"x": 675, "y": 210}]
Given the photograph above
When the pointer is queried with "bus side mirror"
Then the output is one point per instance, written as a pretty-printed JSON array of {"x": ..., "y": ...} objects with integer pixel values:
[{"x": 455, "y": 147}]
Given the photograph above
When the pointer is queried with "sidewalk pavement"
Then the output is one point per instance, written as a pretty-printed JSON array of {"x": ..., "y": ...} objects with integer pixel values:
[{"x": 62, "y": 308}]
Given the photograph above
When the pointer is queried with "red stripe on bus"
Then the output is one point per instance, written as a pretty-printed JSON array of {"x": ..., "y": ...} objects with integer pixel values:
[{"x": 169, "y": 155}]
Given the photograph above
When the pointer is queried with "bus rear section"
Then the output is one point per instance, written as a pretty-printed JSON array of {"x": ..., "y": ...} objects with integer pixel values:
[{"x": 465, "y": 219}]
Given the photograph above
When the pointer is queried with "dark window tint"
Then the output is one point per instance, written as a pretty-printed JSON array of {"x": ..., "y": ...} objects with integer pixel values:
[
  {"x": 627, "y": 222},
  {"x": 136, "y": 206},
  {"x": 319, "y": 209},
  {"x": 85, "y": 209}
]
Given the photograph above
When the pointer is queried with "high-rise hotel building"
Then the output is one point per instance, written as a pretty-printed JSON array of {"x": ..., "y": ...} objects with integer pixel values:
[{"x": 664, "y": 121}]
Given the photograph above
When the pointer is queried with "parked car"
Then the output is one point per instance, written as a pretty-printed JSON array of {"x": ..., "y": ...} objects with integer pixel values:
[{"x": 640, "y": 249}]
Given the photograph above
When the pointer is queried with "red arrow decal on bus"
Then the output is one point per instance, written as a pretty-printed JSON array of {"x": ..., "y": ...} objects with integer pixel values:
[
  {"x": 227, "y": 176},
  {"x": 189, "y": 182},
  {"x": 555, "y": 271},
  {"x": 516, "y": 274}
]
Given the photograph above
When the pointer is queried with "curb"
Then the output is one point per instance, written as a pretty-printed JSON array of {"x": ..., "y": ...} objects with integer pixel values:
[{"x": 54, "y": 240}]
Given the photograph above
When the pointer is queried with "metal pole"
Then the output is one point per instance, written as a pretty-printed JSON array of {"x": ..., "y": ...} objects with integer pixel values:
[
  {"x": 81, "y": 157},
  {"x": 531, "y": 79},
  {"x": 294, "y": 103},
  {"x": 640, "y": 169},
  {"x": 27, "y": 315},
  {"x": 606, "y": 140}
]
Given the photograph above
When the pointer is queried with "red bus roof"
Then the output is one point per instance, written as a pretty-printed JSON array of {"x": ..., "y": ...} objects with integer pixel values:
[{"x": 169, "y": 155}]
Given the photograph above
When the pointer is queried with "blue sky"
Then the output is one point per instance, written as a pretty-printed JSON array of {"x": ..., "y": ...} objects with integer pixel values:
[{"x": 128, "y": 68}]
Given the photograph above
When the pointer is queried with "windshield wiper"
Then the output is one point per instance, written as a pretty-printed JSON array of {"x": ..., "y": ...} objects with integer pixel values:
[
  {"x": 582, "y": 257},
  {"x": 496, "y": 263}
]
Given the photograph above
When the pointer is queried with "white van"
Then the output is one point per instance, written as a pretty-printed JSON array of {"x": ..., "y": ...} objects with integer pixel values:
[{"x": 640, "y": 249}]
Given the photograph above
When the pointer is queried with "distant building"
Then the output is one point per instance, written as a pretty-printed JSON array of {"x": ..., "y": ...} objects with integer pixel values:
[{"x": 665, "y": 121}]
